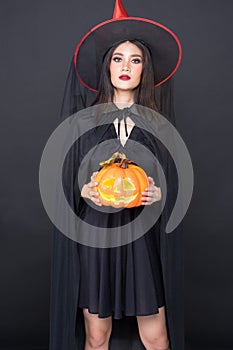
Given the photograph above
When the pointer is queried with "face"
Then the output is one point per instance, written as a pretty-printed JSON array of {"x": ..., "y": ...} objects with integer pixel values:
[{"x": 126, "y": 66}]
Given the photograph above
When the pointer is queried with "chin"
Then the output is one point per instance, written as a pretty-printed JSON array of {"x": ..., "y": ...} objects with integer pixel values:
[
  {"x": 125, "y": 88},
  {"x": 125, "y": 85}
]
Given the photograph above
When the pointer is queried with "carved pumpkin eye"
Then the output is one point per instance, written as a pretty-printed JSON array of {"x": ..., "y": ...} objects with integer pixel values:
[
  {"x": 107, "y": 185},
  {"x": 108, "y": 182},
  {"x": 128, "y": 185}
]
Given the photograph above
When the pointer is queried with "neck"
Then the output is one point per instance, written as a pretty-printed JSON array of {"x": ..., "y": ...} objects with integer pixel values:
[{"x": 123, "y": 98}]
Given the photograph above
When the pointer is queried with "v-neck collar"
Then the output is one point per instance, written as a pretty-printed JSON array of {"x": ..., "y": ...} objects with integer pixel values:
[{"x": 118, "y": 139}]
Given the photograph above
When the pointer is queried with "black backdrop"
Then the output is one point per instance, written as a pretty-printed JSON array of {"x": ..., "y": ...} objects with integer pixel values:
[{"x": 37, "y": 41}]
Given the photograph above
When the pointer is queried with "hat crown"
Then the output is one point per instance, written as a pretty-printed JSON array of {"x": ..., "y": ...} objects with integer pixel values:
[{"x": 119, "y": 10}]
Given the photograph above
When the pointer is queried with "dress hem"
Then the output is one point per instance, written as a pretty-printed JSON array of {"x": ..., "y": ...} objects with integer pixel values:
[{"x": 123, "y": 313}]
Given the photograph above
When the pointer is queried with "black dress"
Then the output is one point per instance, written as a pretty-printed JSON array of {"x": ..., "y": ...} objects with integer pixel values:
[{"x": 125, "y": 280}]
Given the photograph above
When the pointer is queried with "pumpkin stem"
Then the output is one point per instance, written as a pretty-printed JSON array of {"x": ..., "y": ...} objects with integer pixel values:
[
  {"x": 113, "y": 158},
  {"x": 124, "y": 163}
]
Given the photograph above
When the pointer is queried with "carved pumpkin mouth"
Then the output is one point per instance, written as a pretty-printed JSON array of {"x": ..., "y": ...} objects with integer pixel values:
[{"x": 118, "y": 191}]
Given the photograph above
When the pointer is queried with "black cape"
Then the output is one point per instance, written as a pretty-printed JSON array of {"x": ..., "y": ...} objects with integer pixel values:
[{"x": 66, "y": 319}]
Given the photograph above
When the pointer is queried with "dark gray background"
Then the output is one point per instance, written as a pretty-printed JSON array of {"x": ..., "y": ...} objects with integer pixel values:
[{"x": 38, "y": 40}]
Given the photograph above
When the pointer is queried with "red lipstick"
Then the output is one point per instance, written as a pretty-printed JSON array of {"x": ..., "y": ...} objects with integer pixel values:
[{"x": 124, "y": 77}]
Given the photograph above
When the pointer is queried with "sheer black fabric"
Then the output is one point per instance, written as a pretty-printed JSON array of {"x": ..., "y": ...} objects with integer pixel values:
[
  {"x": 77, "y": 97},
  {"x": 155, "y": 259}
]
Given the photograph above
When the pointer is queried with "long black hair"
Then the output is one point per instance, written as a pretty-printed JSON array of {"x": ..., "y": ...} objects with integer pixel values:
[{"x": 144, "y": 92}]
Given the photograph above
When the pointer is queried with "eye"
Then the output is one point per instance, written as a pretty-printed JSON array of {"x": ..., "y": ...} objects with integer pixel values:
[
  {"x": 117, "y": 59},
  {"x": 136, "y": 60}
]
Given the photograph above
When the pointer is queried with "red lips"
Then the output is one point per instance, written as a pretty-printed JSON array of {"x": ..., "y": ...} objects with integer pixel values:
[{"x": 124, "y": 77}]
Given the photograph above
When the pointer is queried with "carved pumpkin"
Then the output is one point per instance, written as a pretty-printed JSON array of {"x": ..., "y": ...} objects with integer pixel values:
[{"x": 121, "y": 183}]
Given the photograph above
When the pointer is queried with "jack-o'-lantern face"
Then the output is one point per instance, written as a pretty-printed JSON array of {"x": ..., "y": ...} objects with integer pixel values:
[
  {"x": 118, "y": 191},
  {"x": 121, "y": 184}
]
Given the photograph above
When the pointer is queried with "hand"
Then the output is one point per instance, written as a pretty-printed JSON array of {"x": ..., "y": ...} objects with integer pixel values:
[
  {"x": 151, "y": 194},
  {"x": 88, "y": 190}
]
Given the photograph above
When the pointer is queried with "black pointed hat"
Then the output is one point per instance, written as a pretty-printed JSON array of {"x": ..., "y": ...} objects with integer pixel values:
[{"x": 164, "y": 45}]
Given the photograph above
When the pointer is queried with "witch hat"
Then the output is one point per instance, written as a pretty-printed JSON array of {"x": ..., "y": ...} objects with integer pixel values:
[{"x": 164, "y": 46}]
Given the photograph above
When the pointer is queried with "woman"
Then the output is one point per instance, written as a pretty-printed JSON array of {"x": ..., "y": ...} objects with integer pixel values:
[
  {"x": 131, "y": 292},
  {"x": 126, "y": 63}
]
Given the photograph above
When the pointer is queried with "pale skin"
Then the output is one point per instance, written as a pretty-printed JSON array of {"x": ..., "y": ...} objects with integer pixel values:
[{"x": 126, "y": 59}]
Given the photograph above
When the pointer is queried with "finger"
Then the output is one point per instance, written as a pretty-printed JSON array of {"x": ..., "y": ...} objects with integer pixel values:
[
  {"x": 146, "y": 201},
  {"x": 94, "y": 197},
  {"x": 97, "y": 202},
  {"x": 93, "y": 194},
  {"x": 148, "y": 194},
  {"x": 92, "y": 184},
  {"x": 154, "y": 195},
  {"x": 94, "y": 175},
  {"x": 146, "y": 198},
  {"x": 151, "y": 197},
  {"x": 151, "y": 180},
  {"x": 152, "y": 189}
]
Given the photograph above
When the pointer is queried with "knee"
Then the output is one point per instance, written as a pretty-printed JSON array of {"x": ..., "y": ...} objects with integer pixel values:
[
  {"x": 160, "y": 342},
  {"x": 97, "y": 339}
]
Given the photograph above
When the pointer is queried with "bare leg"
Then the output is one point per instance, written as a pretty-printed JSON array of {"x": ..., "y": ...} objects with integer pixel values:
[
  {"x": 153, "y": 331},
  {"x": 98, "y": 331}
]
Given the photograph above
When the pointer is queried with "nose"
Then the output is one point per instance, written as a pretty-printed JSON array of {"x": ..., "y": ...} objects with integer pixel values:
[{"x": 125, "y": 66}]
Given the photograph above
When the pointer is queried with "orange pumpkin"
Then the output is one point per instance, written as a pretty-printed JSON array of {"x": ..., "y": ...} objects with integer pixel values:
[{"x": 120, "y": 184}]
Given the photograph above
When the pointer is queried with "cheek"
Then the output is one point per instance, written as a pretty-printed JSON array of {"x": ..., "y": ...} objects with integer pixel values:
[
  {"x": 138, "y": 72},
  {"x": 113, "y": 70}
]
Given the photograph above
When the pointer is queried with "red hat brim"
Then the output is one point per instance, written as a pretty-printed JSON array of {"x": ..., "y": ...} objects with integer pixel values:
[{"x": 164, "y": 45}]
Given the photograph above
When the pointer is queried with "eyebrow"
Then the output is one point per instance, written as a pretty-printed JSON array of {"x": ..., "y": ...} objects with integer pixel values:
[{"x": 121, "y": 54}]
